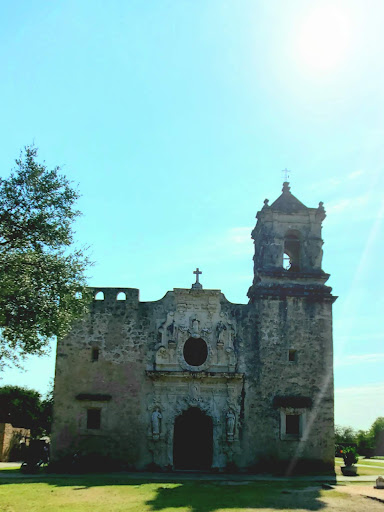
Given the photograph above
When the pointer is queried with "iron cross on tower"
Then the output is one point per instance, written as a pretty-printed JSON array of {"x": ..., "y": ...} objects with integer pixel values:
[
  {"x": 287, "y": 174},
  {"x": 198, "y": 285}
]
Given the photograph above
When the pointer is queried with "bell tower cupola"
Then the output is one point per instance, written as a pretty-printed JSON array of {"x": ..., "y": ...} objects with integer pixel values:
[{"x": 288, "y": 248}]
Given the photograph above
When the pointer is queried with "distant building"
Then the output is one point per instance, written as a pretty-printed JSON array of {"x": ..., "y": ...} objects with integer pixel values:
[
  {"x": 13, "y": 441},
  {"x": 193, "y": 381}
]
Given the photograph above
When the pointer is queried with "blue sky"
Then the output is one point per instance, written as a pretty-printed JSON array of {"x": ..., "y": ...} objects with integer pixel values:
[{"x": 176, "y": 118}]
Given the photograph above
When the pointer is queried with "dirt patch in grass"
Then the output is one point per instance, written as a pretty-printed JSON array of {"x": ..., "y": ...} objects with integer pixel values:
[{"x": 367, "y": 490}]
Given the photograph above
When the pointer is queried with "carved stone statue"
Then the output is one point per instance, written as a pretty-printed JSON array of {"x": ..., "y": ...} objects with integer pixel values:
[
  {"x": 231, "y": 419},
  {"x": 220, "y": 329},
  {"x": 162, "y": 355},
  {"x": 156, "y": 418},
  {"x": 195, "y": 391},
  {"x": 171, "y": 328},
  {"x": 195, "y": 327}
]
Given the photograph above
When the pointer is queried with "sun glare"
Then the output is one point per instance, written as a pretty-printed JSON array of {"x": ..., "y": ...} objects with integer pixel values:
[{"x": 324, "y": 38}]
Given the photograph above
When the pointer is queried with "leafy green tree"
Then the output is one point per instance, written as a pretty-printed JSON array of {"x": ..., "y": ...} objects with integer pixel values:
[
  {"x": 365, "y": 443},
  {"x": 377, "y": 433},
  {"x": 42, "y": 280},
  {"x": 344, "y": 435},
  {"x": 20, "y": 406},
  {"x": 24, "y": 407}
]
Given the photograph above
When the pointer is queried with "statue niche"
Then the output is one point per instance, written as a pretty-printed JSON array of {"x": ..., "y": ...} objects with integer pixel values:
[
  {"x": 225, "y": 334},
  {"x": 220, "y": 332},
  {"x": 230, "y": 424}
]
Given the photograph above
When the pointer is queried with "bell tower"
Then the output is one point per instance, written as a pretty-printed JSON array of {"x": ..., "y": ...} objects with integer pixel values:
[
  {"x": 288, "y": 248},
  {"x": 292, "y": 336}
]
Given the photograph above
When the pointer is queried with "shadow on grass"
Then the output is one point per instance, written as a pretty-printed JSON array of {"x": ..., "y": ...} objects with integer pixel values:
[
  {"x": 196, "y": 496},
  {"x": 211, "y": 497}
]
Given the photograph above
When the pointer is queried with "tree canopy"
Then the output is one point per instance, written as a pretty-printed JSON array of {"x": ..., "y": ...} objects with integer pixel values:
[
  {"x": 369, "y": 442},
  {"x": 42, "y": 278},
  {"x": 23, "y": 407},
  {"x": 344, "y": 435}
]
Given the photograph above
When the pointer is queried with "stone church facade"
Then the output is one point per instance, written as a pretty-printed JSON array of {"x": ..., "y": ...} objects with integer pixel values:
[{"x": 193, "y": 381}]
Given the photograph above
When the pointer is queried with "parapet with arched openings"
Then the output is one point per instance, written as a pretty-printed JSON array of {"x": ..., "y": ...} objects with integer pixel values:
[{"x": 120, "y": 296}]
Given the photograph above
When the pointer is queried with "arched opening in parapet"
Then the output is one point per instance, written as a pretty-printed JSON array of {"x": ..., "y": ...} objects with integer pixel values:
[
  {"x": 193, "y": 440},
  {"x": 292, "y": 249},
  {"x": 121, "y": 296},
  {"x": 99, "y": 296},
  {"x": 195, "y": 351}
]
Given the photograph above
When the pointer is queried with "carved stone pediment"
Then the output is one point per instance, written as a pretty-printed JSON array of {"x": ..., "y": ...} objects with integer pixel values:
[{"x": 199, "y": 317}]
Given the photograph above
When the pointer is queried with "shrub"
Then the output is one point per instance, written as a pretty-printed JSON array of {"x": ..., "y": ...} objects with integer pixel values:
[{"x": 349, "y": 455}]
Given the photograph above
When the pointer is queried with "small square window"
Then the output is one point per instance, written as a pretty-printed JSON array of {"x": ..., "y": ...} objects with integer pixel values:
[
  {"x": 292, "y": 424},
  {"x": 95, "y": 354},
  {"x": 292, "y": 355},
  {"x": 93, "y": 418}
]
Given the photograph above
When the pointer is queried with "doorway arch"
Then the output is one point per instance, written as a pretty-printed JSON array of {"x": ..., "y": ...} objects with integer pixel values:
[{"x": 193, "y": 440}]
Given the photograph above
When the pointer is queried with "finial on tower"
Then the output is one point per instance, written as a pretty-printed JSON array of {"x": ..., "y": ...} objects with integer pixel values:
[
  {"x": 286, "y": 187},
  {"x": 197, "y": 285}
]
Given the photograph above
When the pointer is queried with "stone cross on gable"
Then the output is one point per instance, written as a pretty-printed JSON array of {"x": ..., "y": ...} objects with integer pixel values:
[
  {"x": 197, "y": 272},
  {"x": 197, "y": 285}
]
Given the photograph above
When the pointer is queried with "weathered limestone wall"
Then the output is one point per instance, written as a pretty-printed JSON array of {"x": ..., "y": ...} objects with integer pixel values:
[
  {"x": 305, "y": 326},
  {"x": 115, "y": 383},
  {"x": 141, "y": 368}
]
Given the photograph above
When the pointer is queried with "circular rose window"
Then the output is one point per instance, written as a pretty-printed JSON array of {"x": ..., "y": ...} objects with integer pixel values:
[{"x": 195, "y": 351}]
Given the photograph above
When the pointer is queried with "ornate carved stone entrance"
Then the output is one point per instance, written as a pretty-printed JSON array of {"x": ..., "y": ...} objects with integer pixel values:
[{"x": 193, "y": 440}]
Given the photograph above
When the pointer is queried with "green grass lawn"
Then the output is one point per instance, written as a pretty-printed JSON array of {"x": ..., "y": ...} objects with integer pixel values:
[
  {"x": 14, "y": 469},
  {"x": 372, "y": 462},
  {"x": 103, "y": 493},
  {"x": 117, "y": 492}
]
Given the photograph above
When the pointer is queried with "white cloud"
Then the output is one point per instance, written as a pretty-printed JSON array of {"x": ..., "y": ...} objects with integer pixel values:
[
  {"x": 355, "y": 174},
  {"x": 335, "y": 181},
  {"x": 238, "y": 240},
  {"x": 351, "y": 360},
  {"x": 362, "y": 391},
  {"x": 359, "y": 406},
  {"x": 350, "y": 203}
]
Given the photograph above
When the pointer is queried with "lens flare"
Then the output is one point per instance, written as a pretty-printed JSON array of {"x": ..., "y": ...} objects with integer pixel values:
[{"x": 324, "y": 38}]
